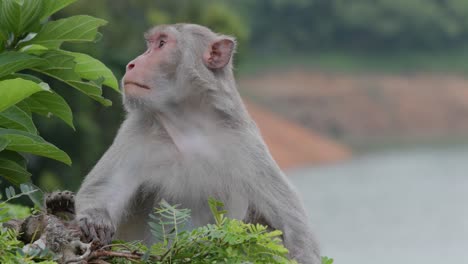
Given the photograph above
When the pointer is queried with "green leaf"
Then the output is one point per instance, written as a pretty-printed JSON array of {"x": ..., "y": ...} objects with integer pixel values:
[
  {"x": 10, "y": 192},
  {"x": 34, "y": 49},
  {"x": 3, "y": 143},
  {"x": 15, "y": 90},
  {"x": 15, "y": 118},
  {"x": 15, "y": 211},
  {"x": 89, "y": 68},
  {"x": 26, "y": 142},
  {"x": 28, "y": 77},
  {"x": 25, "y": 107},
  {"x": 326, "y": 260},
  {"x": 13, "y": 172},
  {"x": 47, "y": 103},
  {"x": 76, "y": 29},
  {"x": 34, "y": 194},
  {"x": 3, "y": 38},
  {"x": 90, "y": 88},
  {"x": 62, "y": 67},
  {"x": 11, "y": 62},
  {"x": 20, "y": 17},
  {"x": 13, "y": 156},
  {"x": 56, "y": 61},
  {"x": 52, "y": 6}
]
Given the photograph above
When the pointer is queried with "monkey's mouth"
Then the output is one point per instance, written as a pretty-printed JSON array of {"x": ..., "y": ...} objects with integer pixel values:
[{"x": 136, "y": 84}]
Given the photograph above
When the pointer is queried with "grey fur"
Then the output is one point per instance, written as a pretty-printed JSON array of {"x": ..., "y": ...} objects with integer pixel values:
[{"x": 189, "y": 139}]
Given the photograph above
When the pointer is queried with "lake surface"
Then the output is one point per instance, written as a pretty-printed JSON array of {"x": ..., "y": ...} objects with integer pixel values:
[{"x": 400, "y": 207}]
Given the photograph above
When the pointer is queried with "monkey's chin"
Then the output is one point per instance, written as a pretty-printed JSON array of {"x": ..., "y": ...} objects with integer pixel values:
[
  {"x": 135, "y": 90},
  {"x": 132, "y": 102}
]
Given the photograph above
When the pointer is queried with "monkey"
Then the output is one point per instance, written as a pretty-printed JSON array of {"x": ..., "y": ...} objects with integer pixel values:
[{"x": 187, "y": 136}]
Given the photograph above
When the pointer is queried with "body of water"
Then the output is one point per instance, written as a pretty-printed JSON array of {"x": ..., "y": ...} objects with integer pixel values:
[{"x": 405, "y": 207}]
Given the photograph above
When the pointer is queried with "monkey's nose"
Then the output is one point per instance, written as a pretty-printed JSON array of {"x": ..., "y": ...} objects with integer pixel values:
[{"x": 130, "y": 66}]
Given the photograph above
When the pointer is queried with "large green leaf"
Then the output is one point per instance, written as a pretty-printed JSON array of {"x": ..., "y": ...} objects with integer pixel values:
[
  {"x": 76, "y": 29},
  {"x": 56, "y": 61},
  {"x": 91, "y": 85},
  {"x": 3, "y": 38},
  {"x": 15, "y": 118},
  {"x": 47, "y": 103},
  {"x": 50, "y": 7},
  {"x": 91, "y": 88},
  {"x": 13, "y": 156},
  {"x": 20, "y": 16},
  {"x": 28, "y": 77},
  {"x": 33, "y": 49},
  {"x": 13, "y": 172},
  {"x": 14, "y": 90},
  {"x": 91, "y": 69},
  {"x": 62, "y": 67},
  {"x": 3, "y": 143},
  {"x": 11, "y": 62},
  {"x": 26, "y": 142}
]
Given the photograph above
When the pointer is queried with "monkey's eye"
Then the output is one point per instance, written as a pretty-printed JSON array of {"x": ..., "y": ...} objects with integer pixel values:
[{"x": 161, "y": 43}]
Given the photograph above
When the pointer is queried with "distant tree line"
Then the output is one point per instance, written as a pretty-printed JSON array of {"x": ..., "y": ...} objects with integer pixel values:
[{"x": 357, "y": 24}]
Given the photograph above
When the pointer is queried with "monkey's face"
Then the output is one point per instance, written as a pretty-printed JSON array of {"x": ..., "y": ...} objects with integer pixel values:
[
  {"x": 181, "y": 62},
  {"x": 150, "y": 76}
]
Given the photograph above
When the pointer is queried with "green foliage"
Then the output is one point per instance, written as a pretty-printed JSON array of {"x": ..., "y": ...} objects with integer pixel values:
[
  {"x": 30, "y": 49},
  {"x": 15, "y": 211},
  {"x": 359, "y": 24},
  {"x": 167, "y": 221},
  {"x": 10, "y": 246},
  {"x": 326, "y": 260},
  {"x": 10, "y": 250},
  {"x": 11, "y": 211},
  {"x": 33, "y": 193},
  {"x": 227, "y": 240},
  {"x": 215, "y": 15}
]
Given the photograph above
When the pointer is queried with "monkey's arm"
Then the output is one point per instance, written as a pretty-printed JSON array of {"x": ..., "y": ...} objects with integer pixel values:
[
  {"x": 104, "y": 194},
  {"x": 276, "y": 203}
]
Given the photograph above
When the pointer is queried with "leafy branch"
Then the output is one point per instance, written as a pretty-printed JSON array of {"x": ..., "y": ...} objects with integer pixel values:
[{"x": 30, "y": 47}]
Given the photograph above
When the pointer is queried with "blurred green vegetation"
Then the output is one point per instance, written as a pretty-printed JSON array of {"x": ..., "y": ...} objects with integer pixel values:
[
  {"x": 358, "y": 24},
  {"x": 337, "y": 35},
  {"x": 343, "y": 61}
]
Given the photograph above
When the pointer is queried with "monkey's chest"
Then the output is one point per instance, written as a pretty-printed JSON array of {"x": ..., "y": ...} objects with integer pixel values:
[{"x": 189, "y": 178}]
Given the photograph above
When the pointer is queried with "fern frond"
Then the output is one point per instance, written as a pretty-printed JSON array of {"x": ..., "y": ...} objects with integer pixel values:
[
  {"x": 167, "y": 221},
  {"x": 219, "y": 215},
  {"x": 11, "y": 194}
]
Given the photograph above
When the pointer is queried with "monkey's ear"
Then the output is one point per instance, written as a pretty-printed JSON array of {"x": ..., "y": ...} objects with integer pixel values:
[{"x": 219, "y": 53}]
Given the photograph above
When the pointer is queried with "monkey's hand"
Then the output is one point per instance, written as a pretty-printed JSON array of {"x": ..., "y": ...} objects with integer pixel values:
[
  {"x": 96, "y": 224},
  {"x": 61, "y": 204}
]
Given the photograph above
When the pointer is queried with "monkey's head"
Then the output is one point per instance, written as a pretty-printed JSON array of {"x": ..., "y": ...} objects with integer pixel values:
[{"x": 182, "y": 62}]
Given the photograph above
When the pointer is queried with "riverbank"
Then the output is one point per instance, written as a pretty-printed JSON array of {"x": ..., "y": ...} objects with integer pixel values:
[{"x": 366, "y": 109}]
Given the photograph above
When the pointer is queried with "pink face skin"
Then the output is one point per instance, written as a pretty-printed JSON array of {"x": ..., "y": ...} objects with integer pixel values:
[{"x": 139, "y": 72}]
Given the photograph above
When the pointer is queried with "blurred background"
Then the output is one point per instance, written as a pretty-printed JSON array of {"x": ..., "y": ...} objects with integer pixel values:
[{"x": 364, "y": 104}]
